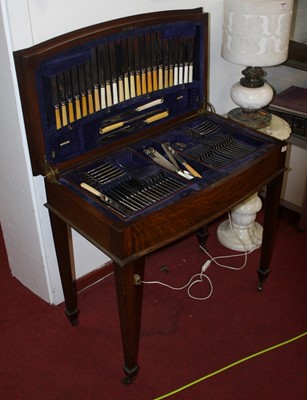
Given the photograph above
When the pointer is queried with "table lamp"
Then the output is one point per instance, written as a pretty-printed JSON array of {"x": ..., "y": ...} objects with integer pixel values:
[{"x": 255, "y": 34}]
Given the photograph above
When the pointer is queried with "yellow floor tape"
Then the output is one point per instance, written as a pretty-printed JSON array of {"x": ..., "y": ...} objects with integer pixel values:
[{"x": 230, "y": 366}]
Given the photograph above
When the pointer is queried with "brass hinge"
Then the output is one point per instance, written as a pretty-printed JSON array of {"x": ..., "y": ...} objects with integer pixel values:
[
  {"x": 206, "y": 107},
  {"x": 51, "y": 172}
]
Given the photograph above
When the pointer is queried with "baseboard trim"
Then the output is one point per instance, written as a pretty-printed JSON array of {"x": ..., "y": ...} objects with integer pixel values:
[{"x": 94, "y": 276}]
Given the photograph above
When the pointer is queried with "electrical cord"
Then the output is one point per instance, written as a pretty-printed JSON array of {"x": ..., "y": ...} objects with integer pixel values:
[
  {"x": 201, "y": 277},
  {"x": 197, "y": 278}
]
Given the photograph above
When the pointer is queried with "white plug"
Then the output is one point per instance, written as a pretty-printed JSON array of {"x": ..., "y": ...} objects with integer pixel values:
[{"x": 206, "y": 266}]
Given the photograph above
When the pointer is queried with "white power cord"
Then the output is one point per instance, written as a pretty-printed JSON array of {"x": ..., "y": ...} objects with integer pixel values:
[{"x": 199, "y": 278}]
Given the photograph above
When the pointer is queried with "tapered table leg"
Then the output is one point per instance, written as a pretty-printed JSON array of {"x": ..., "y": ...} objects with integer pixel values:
[
  {"x": 63, "y": 246},
  {"x": 129, "y": 296},
  {"x": 269, "y": 228}
]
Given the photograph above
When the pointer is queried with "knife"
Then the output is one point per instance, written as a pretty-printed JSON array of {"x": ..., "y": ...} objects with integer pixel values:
[
  {"x": 62, "y": 98},
  {"x": 183, "y": 162},
  {"x": 107, "y": 73},
  {"x": 186, "y": 47},
  {"x": 130, "y": 113},
  {"x": 101, "y": 73},
  {"x": 165, "y": 62},
  {"x": 82, "y": 90},
  {"x": 75, "y": 90},
  {"x": 150, "y": 116},
  {"x": 95, "y": 81},
  {"x": 159, "y": 159},
  {"x": 143, "y": 63},
  {"x": 131, "y": 67},
  {"x": 170, "y": 155},
  {"x": 180, "y": 60},
  {"x": 153, "y": 39},
  {"x": 137, "y": 66},
  {"x": 89, "y": 87},
  {"x": 159, "y": 60},
  {"x": 132, "y": 127},
  {"x": 68, "y": 90},
  {"x": 176, "y": 45},
  {"x": 55, "y": 101},
  {"x": 119, "y": 70},
  {"x": 191, "y": 55},
  {"x": 124, "y": 43},
  {"x": 148, "y": 62},
  {"x": 124, "y": 210},
  {"x": 171, "y": 62},
  {"x": 113, "y": 72}
]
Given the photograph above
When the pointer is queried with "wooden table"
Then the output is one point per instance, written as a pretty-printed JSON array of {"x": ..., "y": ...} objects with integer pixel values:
[{"x": 127, "y": 243}]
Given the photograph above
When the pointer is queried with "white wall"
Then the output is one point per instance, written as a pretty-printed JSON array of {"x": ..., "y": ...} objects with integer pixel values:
[{"x": 24, "y": 219}]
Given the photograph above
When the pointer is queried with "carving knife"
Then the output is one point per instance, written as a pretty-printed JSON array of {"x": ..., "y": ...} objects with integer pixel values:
[
  {"x": 159, "y": 159},
  {"x": 62, "y": 98},
  {"x": 82, "y": 89},
  {"x": 170, "y": 155},
  {"x": 146, "y": 118},
  {"x": 184, "y": 163},
  {"x": 56, "y": 103},
  {"x": 130, "y": 113},
  {"x": 68, "y": 90},
  {"x": 95, "y": 82}
]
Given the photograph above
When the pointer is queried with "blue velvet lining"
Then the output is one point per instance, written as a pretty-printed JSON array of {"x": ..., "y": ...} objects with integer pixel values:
[
  {"x": 81, "y": 136},
  {"x": 135, "y": 163}
]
